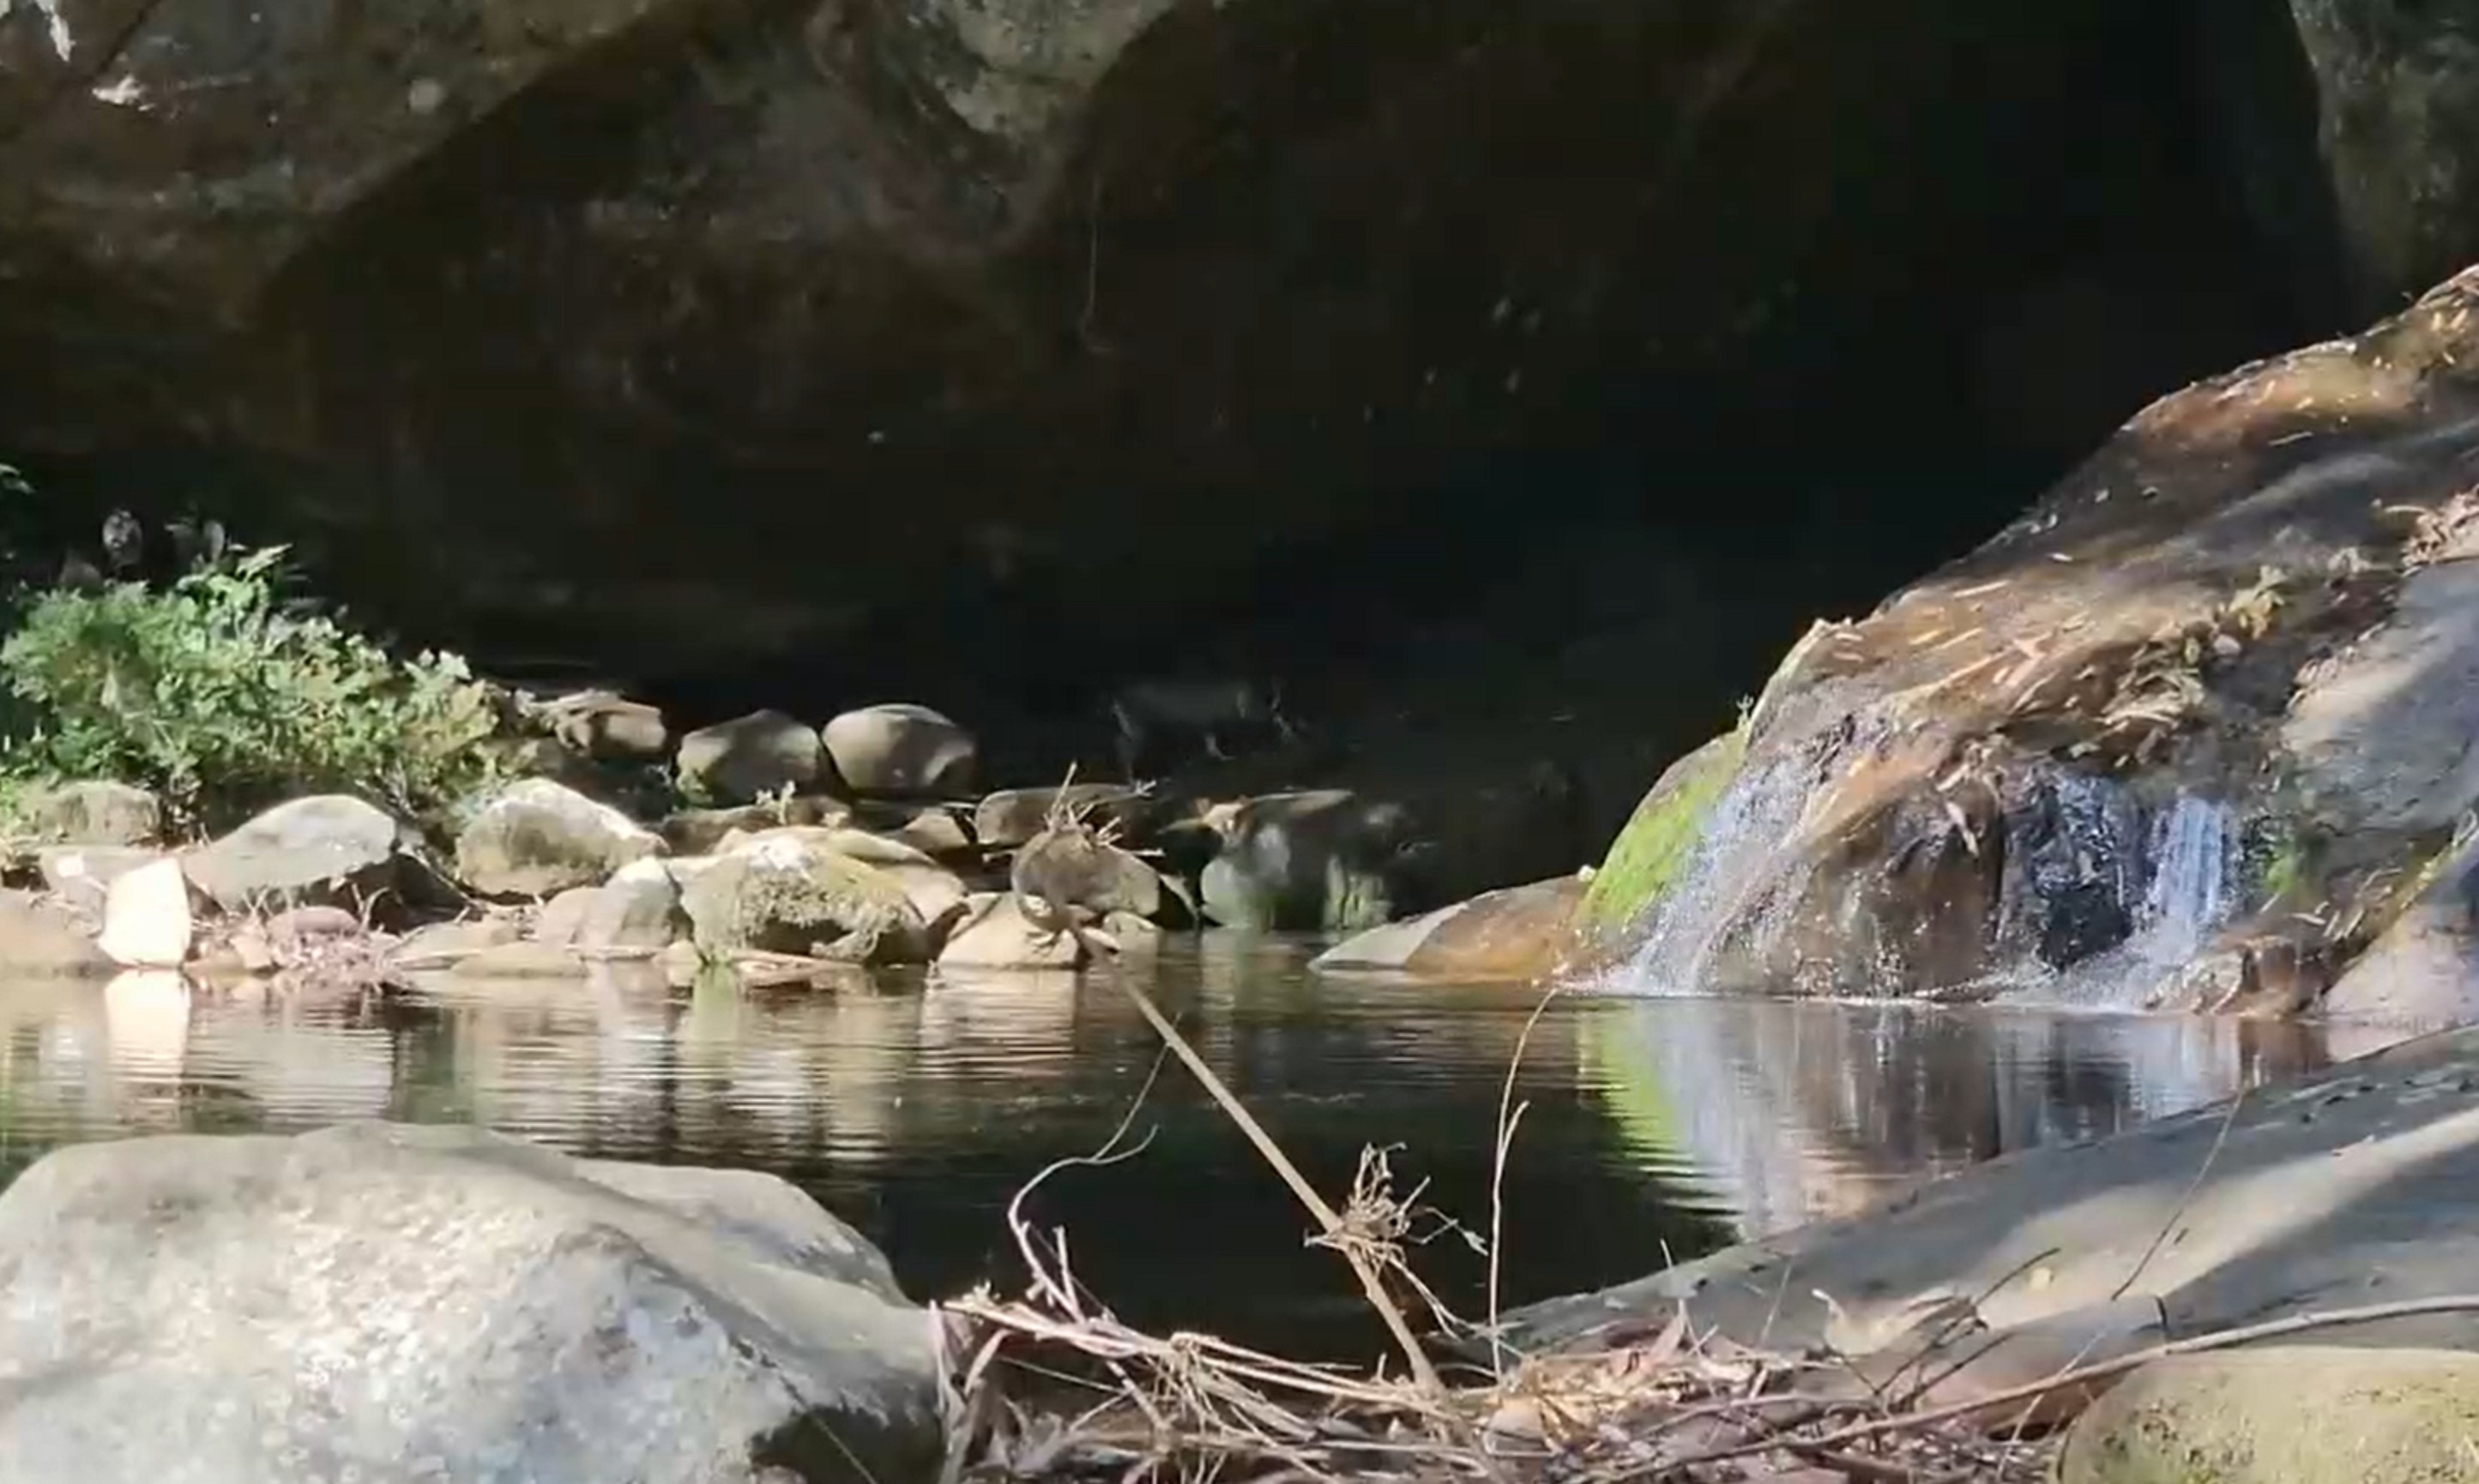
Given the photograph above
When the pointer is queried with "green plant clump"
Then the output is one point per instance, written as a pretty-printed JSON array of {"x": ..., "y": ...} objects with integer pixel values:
[{"x": 214, "y": 695}]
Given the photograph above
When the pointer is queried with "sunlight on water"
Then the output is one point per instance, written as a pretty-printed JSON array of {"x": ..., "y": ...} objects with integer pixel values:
[{"x": 1654, "y": 1126}]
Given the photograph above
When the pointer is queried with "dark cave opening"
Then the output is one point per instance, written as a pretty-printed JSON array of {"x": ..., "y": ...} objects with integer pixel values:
[
  {"x": 2090, "y": 211},
  {"x": 1922, "y": 261}
]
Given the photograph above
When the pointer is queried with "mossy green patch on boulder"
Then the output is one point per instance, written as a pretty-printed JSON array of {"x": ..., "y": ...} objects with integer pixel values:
[
  {"x": 781, "y": 896},
  {"x": 2284, "y": 1415},
  {"x": 1661, "y": 835}
]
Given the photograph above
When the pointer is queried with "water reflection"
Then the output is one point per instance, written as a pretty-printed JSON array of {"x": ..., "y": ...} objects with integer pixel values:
[
  {"x": 1796, "y": 1110},
  {"x": 916, "y": 1109}
]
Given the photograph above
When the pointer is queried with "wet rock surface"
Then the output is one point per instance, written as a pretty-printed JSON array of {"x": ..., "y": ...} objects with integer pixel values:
[
  {"x": 2215, "y": 667},
  {"x": 507, "y": 1312}
]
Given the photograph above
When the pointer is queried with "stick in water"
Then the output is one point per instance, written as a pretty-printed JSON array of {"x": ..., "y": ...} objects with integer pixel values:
[{"x": 1422, "y": 1373}]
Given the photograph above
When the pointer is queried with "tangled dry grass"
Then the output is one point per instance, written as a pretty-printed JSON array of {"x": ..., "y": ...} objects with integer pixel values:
[{"x": 1641, "y": 1405}]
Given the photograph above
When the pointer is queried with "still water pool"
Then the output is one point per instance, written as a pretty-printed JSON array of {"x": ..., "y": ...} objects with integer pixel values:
[{"x": 916, "y": 1110}]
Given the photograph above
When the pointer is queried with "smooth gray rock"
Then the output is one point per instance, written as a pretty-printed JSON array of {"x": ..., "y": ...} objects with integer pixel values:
[
  {"x": 637, "y": 909},
  {"x": 748, "y": 756},
  {"x": 306, "y": 847},
  {"x": 96, "y": 811},
  {"x": 898, "y": 748},
  {"x": 395, "y": 1304},
  {"x": 538, "y": 838}
]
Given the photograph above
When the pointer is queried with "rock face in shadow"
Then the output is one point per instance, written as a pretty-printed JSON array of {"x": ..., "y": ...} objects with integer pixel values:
[
  {"x": 397, "y": 1303},
  {"x": 2187, "y": 734},
  {"x": 596, "y": 322}
]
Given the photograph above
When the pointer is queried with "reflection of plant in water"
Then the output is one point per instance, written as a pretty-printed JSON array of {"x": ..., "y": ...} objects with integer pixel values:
[{"x": 1631, "y": 1090}]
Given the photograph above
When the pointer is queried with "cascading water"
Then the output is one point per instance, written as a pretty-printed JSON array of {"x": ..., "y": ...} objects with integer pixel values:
[
  {"x": 2189, "y": 874},
  {"x": 1737, "y": 851}
]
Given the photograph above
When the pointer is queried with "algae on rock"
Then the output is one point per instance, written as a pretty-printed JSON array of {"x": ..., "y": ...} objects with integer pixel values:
[{"x": 1661, "y": 835}]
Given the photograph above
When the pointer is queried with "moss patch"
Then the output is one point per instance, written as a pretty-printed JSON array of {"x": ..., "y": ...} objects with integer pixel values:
[{"x": 1659, "y": 836}]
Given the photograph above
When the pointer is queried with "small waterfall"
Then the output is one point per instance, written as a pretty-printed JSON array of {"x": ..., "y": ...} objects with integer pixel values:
[
  {"x": 2190, "y": 878},
  {"x": 1735, "y": 853}
]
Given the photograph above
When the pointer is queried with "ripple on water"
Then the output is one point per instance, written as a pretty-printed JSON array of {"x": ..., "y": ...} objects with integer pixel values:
[{"x": 917, "y": 1109}]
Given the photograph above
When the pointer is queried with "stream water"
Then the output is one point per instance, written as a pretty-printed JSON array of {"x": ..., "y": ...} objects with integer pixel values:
[{"x": 917, "y": 1109}]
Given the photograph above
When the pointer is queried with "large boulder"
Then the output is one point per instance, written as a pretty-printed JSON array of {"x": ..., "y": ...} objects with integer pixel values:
[
  {"x": 2218, "y": 679},
  {"x": 328, "y": 845},
  {"x": 791, "y": 896},
  {"x": 537, "y": 839},
  {"x": 393, "y": 1303},
  {"x": 936, "y": 893},
  {"x": 898, "y": 749},
  {"x": 749, "y": 757},
  {"x": 2294, "y": 1414}
]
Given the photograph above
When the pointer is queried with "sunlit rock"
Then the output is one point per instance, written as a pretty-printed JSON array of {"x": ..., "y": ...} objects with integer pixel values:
[
  {"x": 385, "y": 1301},
  {"x": 1516, "y": 933},
  {"x": 537, "y": 839},
  {"x": 146, "y": 921},
  {"x": 897, "y": 747},
  {"x": 324, "y": 845},
  {"x": 749, "y": 757},
  {"x": 784, "y": 895}
]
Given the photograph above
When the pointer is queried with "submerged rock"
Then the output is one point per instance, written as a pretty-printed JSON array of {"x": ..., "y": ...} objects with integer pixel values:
[
  {"x": 2292, "y": 1414},
  {"x": 899, "y": 749},
  {"x": 393, "y": 1303},
  {"x": 324, "y": 845},
  {"x": 787, "y": 896},
  {"x": 537, "y": 839},
  {"x": 749, "y": 757}
]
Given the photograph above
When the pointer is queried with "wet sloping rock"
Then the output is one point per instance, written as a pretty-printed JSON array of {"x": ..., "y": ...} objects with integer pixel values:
[
  {"x": 536, "y": 838},
  {"x": 2356, "y": 1185},
  {"x": 393, "y": 1304},
  {"x": 2221, "y": 663},
  {"x": 2298, "y": 1413}
]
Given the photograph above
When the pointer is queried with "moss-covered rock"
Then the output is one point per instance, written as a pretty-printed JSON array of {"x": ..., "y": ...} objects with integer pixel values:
[
  {"x": 781, "y": 896},
  {"x": 2284, "y": 1415},
  {"x": 1660, "y": 835}
]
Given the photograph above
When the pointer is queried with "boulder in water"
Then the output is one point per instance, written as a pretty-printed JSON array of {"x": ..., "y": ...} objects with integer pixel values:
[
  {"x": 43, "y": 940},
  {"x": 788, "y": 896},
  {"x": 1515, "y": 932},
  {"x": 537, "y": 839},
  {"x": 396, "y": 1304}
]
